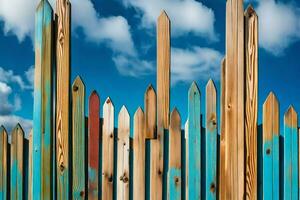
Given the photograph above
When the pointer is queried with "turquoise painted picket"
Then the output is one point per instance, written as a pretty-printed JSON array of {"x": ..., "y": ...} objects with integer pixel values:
[{"x": 194, "y": 144}]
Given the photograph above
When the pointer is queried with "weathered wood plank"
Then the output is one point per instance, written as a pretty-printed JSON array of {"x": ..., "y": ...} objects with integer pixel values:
[
  {"x": 251, "y": 95},
  {"x": 155, "y": 173},
  {"x": 271, "y": 148},
  {"x": 194, "y": 143},
  {"x": 3, "y": 163},
  {"x": 211, "y": 142},
  {"x": 150, "y": 112},
  {"x": 63, "y": 11},
  {"x": 186, "y": 131},
  {"x": 174, "y": 173},
  {"x": 43, "y": 113},
  {"x": 139, "y": 155},
  {"x": 108, "y": 150},
  {"x": 93, "y": 145},
  {"x": 78, "y": 139},
  {"x": 234, "y": 101},
  {"x": 290, "y": 154},
  {"x": 30, "y": 165},
  {"x": 123, "y": 154},
  {"x": 16, "y": 163},
  {"x": 163, "y": 98}
]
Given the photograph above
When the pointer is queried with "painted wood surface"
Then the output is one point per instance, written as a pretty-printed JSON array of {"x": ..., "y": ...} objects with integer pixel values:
[
  {"x": 211, "y": 142},
  {"x": 16, "y": 164},
  {"x": 107, "y": 149},
  {"x": 251, "y": 71},
  {"x": 150, "y": 112},
  {"x": 43, "y": 113},
  {"x": 63, "y": 11},
  {"x": 78, "y": 139},
  {"x": 139, "y": 155},
  {"x": 30, "y": 166},
  {"x": 194, "y": 143},
  {"x": 271, "y": 148},
  {"x": 93, "y": 145},
  {"x": 174, "y": 173},
  {"x": 3, "y": 163},
  {"x": 186, "y": 153},
  {"x": 123, "y": 154},
  {"x": 234, "y": 101},
  {"x": 291, "y": 173}
]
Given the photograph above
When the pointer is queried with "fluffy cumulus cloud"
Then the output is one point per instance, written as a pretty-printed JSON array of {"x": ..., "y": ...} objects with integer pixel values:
[
  {"x": 187, "y": 16},
  {"x": 10, "y": 122},
  {"x": 279, "y": 25},
  {"x": 195, "y": 63}
]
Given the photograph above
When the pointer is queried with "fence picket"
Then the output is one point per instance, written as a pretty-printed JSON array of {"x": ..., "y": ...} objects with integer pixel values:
[
  {"x": 271, "y": 148},
  {"x": 123, "y": 154},
  {"x": 290, "y": 154},
  {"x": 108, "y": 150},
  {"x": 150, "y": 112},
  {"x": 211, "y": 142},
  {"x": 3, "y": 163},
  {"x": 30, "y": 165},
  {"x": 194, "y": 143},
  {"x": 78, "y": 139},
  {"x": 16, "y": 163}
]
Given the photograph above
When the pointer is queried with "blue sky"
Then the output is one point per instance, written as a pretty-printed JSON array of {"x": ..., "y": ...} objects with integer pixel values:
[{"x": 114, "y": 51}]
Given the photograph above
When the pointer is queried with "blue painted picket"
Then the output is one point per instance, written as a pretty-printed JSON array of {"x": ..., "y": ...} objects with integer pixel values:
[
  {"x": 194, "y": 144},
  {"x": 290, "y": 154}
]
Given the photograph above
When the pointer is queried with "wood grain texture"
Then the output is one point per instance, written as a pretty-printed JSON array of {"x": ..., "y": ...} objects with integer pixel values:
[
  {"x": 194, "y": 143},
  {"x": 251, "y": 100},
  {"x": 271, "y": 148},
  {"x": 291, "y": 173},
  {"x": 139, "y": 155},
  {"x": 211, "y": 142},
  {"x": 150, "y": 112},
  {"x": 43, "y": 112},
  {"x": 108, "y": 150},
  {"x": 155, "y": 172},
  {"x": 123, "y": 154},
  {"x": 16, "y": 164},
  {"x": 3, "y": 163},
  {"x": 78, "y": 139},
  {"x": 234, "y": 102},
  {"x": 93, "y": 145},
  {"x": 222, "y": 132},
  {"x": 63, "y": 11},
  {"x": 174, "y": 173}
]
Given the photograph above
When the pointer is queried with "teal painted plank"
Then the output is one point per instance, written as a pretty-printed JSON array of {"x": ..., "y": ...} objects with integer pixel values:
[
  {"x": 3, "y": 163},
  {"x": 194, "y": 144},
  {"x": 211, "y": 142},
  {"x": 78, "y": 146},
  {"x": 290, "y": 155},
  {"x": 174, "y": 187},
  {"x": 42, "y": 137},
  {"x": 16, "y": 164}
]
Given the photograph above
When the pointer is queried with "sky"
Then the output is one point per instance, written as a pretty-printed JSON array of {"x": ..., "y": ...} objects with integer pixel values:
[{"x": 113, "y": 49}]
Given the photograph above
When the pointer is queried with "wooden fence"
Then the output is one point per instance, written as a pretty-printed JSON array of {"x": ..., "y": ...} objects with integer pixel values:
[{"x": 72, "y": 156}]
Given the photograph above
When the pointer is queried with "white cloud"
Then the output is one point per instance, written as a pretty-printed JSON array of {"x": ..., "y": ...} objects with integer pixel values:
[
  {"x": 195, "y": 63},
  {"x": 7, "y": 108},
  {"x": 30, "y": 76},
  {"x": 279, "y": 25},
  {"x": 187, "y": 16},
  {"x": 10, "y": 122}
]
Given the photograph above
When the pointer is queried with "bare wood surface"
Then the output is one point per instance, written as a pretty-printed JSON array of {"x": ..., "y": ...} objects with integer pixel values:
[
  {"x": 150, "y": 112},
  {"x": 3, "y": 163}
]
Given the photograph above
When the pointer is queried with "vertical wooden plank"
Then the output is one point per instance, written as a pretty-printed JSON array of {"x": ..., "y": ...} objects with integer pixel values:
[
  {"x": 93, "y": 145},
  {"x": 234, "y": 101},
  {"x": 42, "y": 138},
  {"x": 30, "y": 166},
  {"x": 222, "y": 132},
  {"x": 251, "y": 68},
  {"x": 16, "y": 163},
  {"x": 194, "y": 143},
  {"x": 63, "y": 11},
  {"x": 150, "y": 112},
  {"x": 174, "y": 173},
  {"x": 78, "y": 139},
  {"x": 211, "y": 142},
  {"x": 123, "y": 154},
  {"x": 291, "y": 154},
  {"x": 271, "y": 148},
  {"x": 186, "y": 130},
  {"x": 108, "y": 150},
  {"x": 163, "y": 98},
  {"x": 139, "y": 155},
  {"x": 3, "y": 163}
]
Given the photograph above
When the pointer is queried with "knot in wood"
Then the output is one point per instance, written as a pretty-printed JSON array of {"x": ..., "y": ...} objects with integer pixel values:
[{"x": 212, "y": 187}]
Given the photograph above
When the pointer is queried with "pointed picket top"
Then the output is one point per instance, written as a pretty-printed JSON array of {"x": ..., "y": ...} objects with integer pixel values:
[
  {"x": 250, "y": 11},
  {"x": 138, "y": 113},
  {"x": 123, "y": 112},
  {"x": 123, "y": 123},
  {"x": 271, "y": 99},
  {"x": 108, "y": 101},
  {"x": 77, "y": 84},
  {"x": 210, "y": 87},
  {"x": 270, "y": 117},
  {"x": 194, "y": 90},
  {"x": 175, "y": 118},
  {"x": 44, "y": 4},
  {"x": 18, "y": 129},
  {"x": 163, "y": 16},
  {"x": 290, "y": 117},
  {"x": 3, "y": 130},
  {"x": 150, "y": 112}
]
